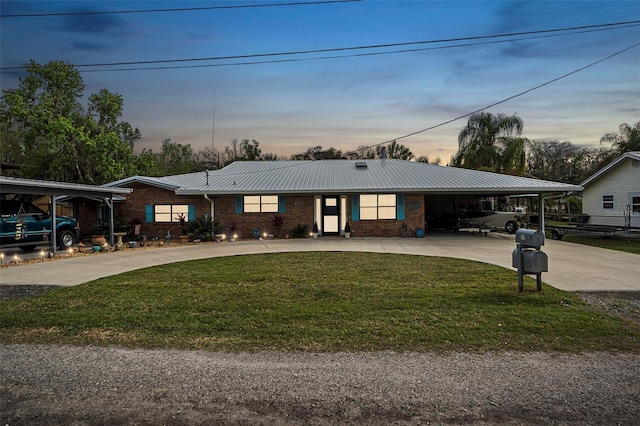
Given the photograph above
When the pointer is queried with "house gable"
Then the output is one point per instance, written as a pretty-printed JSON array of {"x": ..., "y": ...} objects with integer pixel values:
[{"x": 607, "y": 194}]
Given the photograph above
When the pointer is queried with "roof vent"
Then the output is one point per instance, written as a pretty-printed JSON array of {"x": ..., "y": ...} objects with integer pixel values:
[{"x": 361, "y": 165}]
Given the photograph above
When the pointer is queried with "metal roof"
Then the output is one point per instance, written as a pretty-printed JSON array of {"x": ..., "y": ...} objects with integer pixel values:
[
  {"x": 11, "y": 185},
  {"x": 154, "y": 181},
  {"x": 342, "y": 176},
  {"x": 633, "y": 155}
]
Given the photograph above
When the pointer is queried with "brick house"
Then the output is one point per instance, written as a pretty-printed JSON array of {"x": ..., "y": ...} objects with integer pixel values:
[{"x": 376, "y": 197}]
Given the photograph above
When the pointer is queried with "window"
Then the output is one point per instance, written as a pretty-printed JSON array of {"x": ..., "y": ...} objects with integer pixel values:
[
  {"x": 607, "y": 201},
  {"x": 377, "y": 206},
  {"x": 170, "y": 213},
  {"x": 261, "y": 204},
  {"x": 635, "y": 204}
]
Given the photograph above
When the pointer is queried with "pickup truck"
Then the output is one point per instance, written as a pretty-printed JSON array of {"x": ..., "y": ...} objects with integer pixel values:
[{"x": 25, "y": 226}]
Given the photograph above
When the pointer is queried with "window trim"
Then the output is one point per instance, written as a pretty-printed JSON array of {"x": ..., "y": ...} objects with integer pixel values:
[
  {"x": 184, "y": 208},
  {"x": 378, "y": 207},
  {"x": 605, "y": 203},
  {"x": 276, "y": 205}
]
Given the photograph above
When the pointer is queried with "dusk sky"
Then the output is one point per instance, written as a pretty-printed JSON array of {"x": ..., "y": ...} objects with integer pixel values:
[{"x": 344, "y": 101}]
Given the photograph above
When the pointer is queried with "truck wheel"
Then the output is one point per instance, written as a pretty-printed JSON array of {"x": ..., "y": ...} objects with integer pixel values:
[
  {"x": 66, "y": 239},
  {"x": 555, "y": 235},
  {"x": 511, "y": 226}
]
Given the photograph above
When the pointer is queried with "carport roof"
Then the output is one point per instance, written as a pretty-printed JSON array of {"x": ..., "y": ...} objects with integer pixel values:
[
  {"x": 11, "y": 185},
  {"x": 355, "y": 176}
]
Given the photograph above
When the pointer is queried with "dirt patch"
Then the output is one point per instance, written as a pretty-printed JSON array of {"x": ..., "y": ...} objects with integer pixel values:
[
  {"x": 625, "y": 304},
  {"x": 12, "y": 292}
]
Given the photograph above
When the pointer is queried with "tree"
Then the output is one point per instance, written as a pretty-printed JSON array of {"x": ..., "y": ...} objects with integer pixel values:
[
  {"x": 250, "y": 150},
  {"x": 45, "y": 127},
  {"x": 317, "y": 153},
  {"x": 361, "y": 153},
  {"x": 395, "y": 150},
  {"x": 628, "y": 139},
  {"x": 565, "y": 162},
  {"x": 210, "y": 159},
  {"x": 425, "y": 159},
  {"x": 175, "y": 158},
  {"x": 269, "y": 156},
  {"x": 491, "y": 142}
]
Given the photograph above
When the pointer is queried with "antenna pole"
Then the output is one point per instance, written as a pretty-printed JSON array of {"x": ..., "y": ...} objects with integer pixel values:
[{"x": 213, "y": 129}]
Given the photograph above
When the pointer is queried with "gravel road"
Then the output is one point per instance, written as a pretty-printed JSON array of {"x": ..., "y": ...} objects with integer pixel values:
[{"x": 45, "y": 385}]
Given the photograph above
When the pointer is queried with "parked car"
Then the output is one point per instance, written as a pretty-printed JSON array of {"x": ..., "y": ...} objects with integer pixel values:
[{"x": 26, "y": 226}]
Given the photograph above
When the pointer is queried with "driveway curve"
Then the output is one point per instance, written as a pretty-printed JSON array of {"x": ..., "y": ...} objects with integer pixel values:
[{"x": 572, "y": 267}]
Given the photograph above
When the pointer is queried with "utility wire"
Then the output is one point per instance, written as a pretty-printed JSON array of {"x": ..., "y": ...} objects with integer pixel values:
[
  {"x": 343, "y": 49},
  {"x": 353, "y": 55},
  {"x": 505, "y": 99},
  {"x": 181, "y": 9}
]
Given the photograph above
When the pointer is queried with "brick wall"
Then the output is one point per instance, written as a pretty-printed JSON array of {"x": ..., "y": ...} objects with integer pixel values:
[
  {"x": 135, "y": 205},
  {"x": 299, "y": 211},
  {"x": 413, "y": 216}
]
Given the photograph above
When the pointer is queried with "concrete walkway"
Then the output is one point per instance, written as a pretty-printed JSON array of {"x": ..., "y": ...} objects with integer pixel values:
[{"x": 572, "y": 267}]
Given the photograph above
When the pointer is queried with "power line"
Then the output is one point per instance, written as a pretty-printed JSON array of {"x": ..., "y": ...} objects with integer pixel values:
[
  {"x": 352, "y": 48},
  {"x": 353, "y": 55},
  {"x": 505, "y": 99},
  {"x": 181, "y": 9}
]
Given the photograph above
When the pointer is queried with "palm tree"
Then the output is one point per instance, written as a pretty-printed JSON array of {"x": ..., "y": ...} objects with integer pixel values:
[
  {"x": 491, "y": 142},
  {"x": 627, "y": 140}
]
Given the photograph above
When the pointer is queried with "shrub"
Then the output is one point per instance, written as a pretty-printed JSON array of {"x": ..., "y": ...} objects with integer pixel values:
[
  {"x": 300, "y": 231},
  {"x": 202, "y": 227}
]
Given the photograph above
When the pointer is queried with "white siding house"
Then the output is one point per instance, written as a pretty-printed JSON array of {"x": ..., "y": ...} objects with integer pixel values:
[{"x": 612, "y": 195}]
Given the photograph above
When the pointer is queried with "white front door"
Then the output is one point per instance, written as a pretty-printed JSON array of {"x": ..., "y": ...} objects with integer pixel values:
[{"x": 330, "y": 215}]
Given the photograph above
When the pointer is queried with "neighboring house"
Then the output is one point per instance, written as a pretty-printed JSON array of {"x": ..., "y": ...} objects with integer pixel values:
[
  {"x": 612, "y": 195},
  {"x": 376, "y": 197}
]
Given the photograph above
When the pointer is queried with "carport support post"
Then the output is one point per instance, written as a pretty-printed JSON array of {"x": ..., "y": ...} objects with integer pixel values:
[
  {"x": 54, "y": 221},
  {"x": 541, "y": 215},
  {"x": 109, "y": 202}
]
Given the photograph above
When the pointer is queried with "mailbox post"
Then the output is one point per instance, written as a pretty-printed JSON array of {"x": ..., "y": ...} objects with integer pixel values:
[{"x": 528, "y": 257}]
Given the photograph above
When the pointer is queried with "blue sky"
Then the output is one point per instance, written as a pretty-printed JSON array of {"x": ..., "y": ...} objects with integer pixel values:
[{"x": 342, "y": 102}]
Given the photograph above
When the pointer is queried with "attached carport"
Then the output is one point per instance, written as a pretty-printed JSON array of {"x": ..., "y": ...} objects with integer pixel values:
[{"x": 11, "y": 185}]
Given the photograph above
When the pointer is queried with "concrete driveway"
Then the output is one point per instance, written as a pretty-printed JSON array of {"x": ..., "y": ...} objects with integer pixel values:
[{"x": 572, "y": 267}]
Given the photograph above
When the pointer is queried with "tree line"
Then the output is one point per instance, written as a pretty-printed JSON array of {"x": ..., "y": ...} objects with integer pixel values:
[{"x": 45, "y": 129}]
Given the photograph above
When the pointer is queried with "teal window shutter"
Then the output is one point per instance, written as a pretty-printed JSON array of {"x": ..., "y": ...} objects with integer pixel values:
[
  {"x": 239, "y": 204},
  {"x": 148, "y": 213},
  {"x": 282, "y": 204},
  {"x": 400, "y": 206},
  {"x": 355, "y": 207},
  {"x": 192, "y": 212}
]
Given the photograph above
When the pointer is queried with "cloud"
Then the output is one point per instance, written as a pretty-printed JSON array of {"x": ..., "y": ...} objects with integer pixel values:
[{"x": 92, "y": 24}]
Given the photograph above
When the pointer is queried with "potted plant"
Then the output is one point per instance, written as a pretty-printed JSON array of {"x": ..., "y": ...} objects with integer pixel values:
[
  {"x": 183, "y": 228},
  {"x": 347, "y": 230},
  {"x": 314, "y": 233},
  {"x": 98, "y": 234}
]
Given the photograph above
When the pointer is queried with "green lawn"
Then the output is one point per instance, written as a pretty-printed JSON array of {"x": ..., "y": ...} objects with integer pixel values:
[
  {"x": 318, "y": 302},
  {"x": 629, "y": 245}
]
